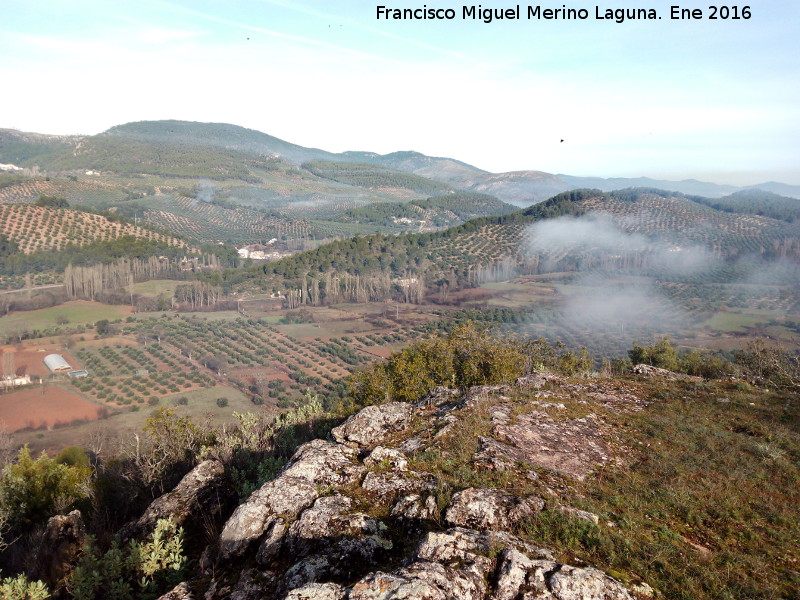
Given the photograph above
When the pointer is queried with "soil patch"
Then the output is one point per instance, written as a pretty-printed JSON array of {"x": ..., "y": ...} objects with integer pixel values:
[{"x": 35, "y": 408}]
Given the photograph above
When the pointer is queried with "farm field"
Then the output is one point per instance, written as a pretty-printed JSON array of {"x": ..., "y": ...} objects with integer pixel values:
[
  {"x": 38, "y": 407},
  {"x": 67, "y": 315},
  {"x": 37, "y": 228}
]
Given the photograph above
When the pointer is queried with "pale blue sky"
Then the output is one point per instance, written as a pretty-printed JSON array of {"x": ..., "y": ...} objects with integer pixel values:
[{"x": 714, "y": 100}]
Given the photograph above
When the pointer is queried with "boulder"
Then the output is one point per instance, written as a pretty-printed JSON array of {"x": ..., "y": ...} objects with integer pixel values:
[
  {"x": 318, "y": 591},
  {"x": 573, "y": 583},
  {"x": 516, "y": 570},
  {"x": 459, "y": 545},
  {"x": 202, "y": 500},
  {"x": 489, "y": 509},
  {"x": 60, "y": 548},
  {"x": 414, "y": 509},
  {"x": 388, "y": 486},
  {"x": 651, "y": 371},
  {"x": 315, "y": 466},
  {"x": 179, "y": 592},
  {"x": 373, "y": 424},
  {"x": 438, "y": 396},
  {"x": 387, "y": 457},
  {"x": 538, "y": 380}
]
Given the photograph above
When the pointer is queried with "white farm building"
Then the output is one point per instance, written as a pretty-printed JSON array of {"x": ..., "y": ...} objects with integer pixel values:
[{"x": 56, "y": 363}]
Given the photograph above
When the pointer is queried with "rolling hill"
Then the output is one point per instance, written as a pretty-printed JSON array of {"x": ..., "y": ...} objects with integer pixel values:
[{"x": 182, "y": 149}]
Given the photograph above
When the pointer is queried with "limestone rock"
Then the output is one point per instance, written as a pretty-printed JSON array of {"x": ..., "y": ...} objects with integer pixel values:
[
  {"x": 388, "y": 486},
  {"x": 459, "y": 544},
  {"x": 516, "y": 570},
  {"x": 273, "y": 542},
  {"x": 284, "y": 496},
  {"x": 437, "y": 397},
  {"x": 318, "y": 591},
  {"x": 324, "y": 464},
  {"x": 60, "y": 548},
  {"x": 579, "y": 514},
  {"x": 315, "y": 465},
  {"x": 203, "y": 497},
  {"x": 489, "y": 509},
  {"x": 179, "y": 592},
  {"x": 573, "y": 583},
  {"x": 651, "y": 371},
  {"x": 325, "y": 522},
  {"x": 538, "y": 380},
  {"x": 571, "y": 447},
  {"x": 394, "y": 459},
  {"x": 371, "y": 425},
  {"x": 252, "y": 585},
  {"x": 414, "y": 509}
]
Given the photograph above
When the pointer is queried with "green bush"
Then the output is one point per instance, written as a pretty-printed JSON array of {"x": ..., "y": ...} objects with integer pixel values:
[
  {"x": 31, "y": 489},
  {"x": 74, "y": 457},
  {"x": 662, "y": 354},
  {"x": 466, "y": 357},
  {"x": 19, "y": 588},
  {"x": 137, "y": 570}
]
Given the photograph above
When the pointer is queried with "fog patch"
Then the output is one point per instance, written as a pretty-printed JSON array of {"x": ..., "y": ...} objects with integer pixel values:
[
  {"x": 205, "y": 190},
  {"x": 621, "y": 305}
]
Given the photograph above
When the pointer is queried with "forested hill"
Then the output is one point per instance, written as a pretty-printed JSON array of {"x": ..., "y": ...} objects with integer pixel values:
[{"x": 622, "y": 225}]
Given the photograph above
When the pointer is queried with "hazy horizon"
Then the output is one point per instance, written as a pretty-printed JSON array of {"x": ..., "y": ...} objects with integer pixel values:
[{"x": 710, "y": 100}]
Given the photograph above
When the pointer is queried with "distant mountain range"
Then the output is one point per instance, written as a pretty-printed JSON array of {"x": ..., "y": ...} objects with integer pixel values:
[{"x": 217, "y": 150}]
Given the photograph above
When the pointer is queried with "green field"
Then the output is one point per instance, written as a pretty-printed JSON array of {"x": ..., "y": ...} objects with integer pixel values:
[
  {"x": 734, "y": 322},
  {"x": 76, "y": 312},
  {"x": 156, "y": 287}
]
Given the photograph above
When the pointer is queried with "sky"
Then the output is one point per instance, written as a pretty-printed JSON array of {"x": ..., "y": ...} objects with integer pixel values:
[{"x": 716, "y": 100}]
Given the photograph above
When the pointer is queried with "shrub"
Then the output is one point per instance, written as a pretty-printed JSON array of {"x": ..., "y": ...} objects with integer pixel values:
[
  {"x": 19, "y": 588},
  {"x": 662, "y": 354},
  {"x": 133, "y": 571},
  {"x": 73, "y": 457},
  {"x": 222, "y": 402},
  {"x": 31, "y": 490}
]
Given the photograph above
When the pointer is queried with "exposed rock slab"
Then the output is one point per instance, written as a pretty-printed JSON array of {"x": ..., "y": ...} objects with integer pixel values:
[
  {"x": 373, "y": 424},
  {"x": 389, "y": 457},
  {"x": 572, "y": 583},
  {"x": 651, "y": 371},
  {"x": 386, "y": 487},
  {"x": 572, "y": 447},
  {"x": 318, "y": 591},
  {"x": 490, "y": 509}
]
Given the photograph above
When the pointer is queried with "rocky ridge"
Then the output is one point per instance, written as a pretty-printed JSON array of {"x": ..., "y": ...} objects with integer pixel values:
[{"x": 357, "y": 518}]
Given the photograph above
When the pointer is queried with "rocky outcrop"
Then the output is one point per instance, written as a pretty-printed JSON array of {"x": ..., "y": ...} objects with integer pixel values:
[
  {"x": 315, "y": 465},
  {"x": 59, "y": 548},
  {"x": 318, "y": 591},
  {"x": 490, "y": 509},
  {"x": 571, "y": 447},
  {"x": 200, "y": 503},
  {"x": 370, "y": 426},
  {"x": 179, "y": 592},
  {"x": 651, "y": 371},
  {"x": 572, "y": 583},
  {"x": 358, "y": 519},
  {"x": 538, "y": 380}
]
